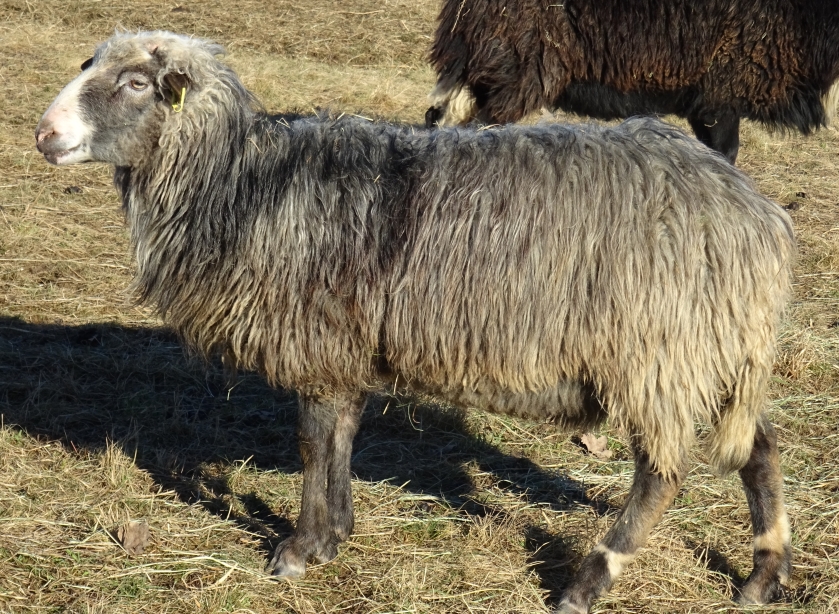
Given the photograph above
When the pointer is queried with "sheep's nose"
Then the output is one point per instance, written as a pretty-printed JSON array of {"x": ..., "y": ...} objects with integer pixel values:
[
  {"x": 432, "y": 116},
  {"x": 42, "y": 133}
]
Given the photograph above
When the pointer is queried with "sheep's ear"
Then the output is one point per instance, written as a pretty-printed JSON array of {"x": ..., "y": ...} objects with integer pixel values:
[
  {"x": 174, "y": 86},
  {"x": 86, "y": 64}
]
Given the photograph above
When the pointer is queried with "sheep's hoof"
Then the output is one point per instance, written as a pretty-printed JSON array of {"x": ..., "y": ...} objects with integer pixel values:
[
  {"x": 759, "y": 591},
  {"x": 566, "y": 607},
  {"x": 326, "y": 553},
  {"x": 286, "y": 563}
]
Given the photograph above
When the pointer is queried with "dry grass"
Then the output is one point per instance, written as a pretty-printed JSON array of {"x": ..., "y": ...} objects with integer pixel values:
[{"x": 105, "y": 420}]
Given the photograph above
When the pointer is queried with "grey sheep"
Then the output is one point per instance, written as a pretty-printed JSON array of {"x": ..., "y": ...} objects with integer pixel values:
[{"x": 560, "y": 273}]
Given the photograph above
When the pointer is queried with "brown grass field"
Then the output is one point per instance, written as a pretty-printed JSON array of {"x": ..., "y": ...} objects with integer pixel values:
[{"x": 106, "y": 420}]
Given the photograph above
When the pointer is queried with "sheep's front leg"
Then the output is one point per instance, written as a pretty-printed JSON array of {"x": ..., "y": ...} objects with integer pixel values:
[
  {"x": 719, "y": 130},
  {"x": 650, "y": 495},
  {"x": 763, "y": 484},
  {"x": 326, "y": 428}
]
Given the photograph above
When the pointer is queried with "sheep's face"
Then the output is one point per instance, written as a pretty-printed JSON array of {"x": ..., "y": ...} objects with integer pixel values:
[
  {"x": 450, "y": 106},
  {"x": 114, "y": 110}
]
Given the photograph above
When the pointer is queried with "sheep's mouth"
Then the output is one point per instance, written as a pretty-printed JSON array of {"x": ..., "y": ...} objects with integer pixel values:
[
  {"x": 61, "y": 156},
  {"x": 54, "y": 157}
]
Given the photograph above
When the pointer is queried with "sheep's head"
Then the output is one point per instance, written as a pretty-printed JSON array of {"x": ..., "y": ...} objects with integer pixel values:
[
  {"x": 115, "y": 110},
  {"x": 451, "y": 106}
]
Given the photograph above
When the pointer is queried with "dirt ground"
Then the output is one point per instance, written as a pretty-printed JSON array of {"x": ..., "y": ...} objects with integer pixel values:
[{"x": 106, "y": 420}]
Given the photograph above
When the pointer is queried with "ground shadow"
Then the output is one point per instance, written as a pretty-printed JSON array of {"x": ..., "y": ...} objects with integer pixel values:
[
  {"x": 553, "y": 559},
  {"x": 715, "y": 561},
  {"x": 85, "y": 385}
]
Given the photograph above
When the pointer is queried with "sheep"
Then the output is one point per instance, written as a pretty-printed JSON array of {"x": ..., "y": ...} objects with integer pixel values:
[
  {"x": 551, "y": 272},
  {"x": 711, "y": 62}
]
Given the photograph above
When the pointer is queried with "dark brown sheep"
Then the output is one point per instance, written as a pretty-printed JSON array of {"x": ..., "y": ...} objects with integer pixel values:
[{"x": 713, "y": 62}]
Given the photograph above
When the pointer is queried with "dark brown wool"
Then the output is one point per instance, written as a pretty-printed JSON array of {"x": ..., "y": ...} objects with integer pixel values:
[
  {"x": 552, "y": 272},
  {"x": 713, "y": 62}
]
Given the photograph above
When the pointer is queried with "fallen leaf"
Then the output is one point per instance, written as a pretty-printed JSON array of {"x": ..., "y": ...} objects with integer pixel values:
[
  {"x": 596, "y": 445},
  {"x": 134, "y": 536}
]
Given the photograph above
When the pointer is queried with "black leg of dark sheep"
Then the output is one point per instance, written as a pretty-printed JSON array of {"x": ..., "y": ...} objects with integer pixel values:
[
  {"x": 719, "y": 131},
  {"x": 561, "y": 273}
]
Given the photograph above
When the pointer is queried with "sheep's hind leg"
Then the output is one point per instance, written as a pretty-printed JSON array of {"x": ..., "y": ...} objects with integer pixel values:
[
  {"x": 650, "y": 495},
  {"x": 326, "y": 428},
  {"x": 763, "y": 484}
]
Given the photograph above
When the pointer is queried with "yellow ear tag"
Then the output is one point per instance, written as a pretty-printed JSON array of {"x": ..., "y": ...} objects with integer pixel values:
[{"x": 177, "y": 107}]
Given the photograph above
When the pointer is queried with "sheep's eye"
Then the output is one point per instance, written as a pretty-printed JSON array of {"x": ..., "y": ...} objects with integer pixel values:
[{"x": 137, "y": 85}]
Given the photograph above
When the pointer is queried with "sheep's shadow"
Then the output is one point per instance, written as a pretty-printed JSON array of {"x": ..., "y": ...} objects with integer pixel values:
[
  {"x": 713, "y": 560},
  {"x": 553, "y": 560},
  {"x": 86, "y": 385}
]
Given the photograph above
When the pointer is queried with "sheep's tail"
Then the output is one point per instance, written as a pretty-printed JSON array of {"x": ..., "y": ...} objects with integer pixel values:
[
  {"x": 733, "y": 434},
  {"x": 745, "y": 381}
]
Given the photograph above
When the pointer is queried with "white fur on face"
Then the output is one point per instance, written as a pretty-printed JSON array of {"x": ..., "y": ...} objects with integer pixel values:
[
  {"x": 830, "y": 101},
  {"x": 63, "y": 129},
  {"x": 459, "y": 104}
]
